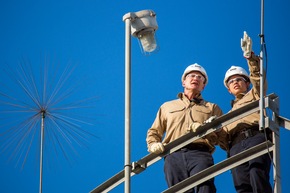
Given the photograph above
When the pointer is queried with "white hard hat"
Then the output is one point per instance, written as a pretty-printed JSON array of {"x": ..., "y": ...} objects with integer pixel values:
[
  {"x": 235, "y": 70},
  {"x": 195, "y": 67}
]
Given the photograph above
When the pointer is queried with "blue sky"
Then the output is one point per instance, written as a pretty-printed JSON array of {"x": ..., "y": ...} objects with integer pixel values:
[{"x": 89, "y": 34}]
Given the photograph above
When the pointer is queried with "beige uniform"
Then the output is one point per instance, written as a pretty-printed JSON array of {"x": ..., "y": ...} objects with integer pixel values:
[
  {"x": 174, "y": 118},
  {"x": 244, "y": 99}
]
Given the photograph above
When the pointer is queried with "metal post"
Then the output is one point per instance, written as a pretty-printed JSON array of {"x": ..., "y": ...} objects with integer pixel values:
[
  {"x": 127, "y": 166},
  {"x": 276, "y": 153},
  {"x": 41, "y": 150},
  {"x": 276, "y": 135},
  {"x": 262, "y": 121}
]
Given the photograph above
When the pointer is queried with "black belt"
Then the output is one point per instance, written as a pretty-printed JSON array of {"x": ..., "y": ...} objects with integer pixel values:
[
  {"x": 244, "y": 134},
  {"x": 196, "y": 146}
]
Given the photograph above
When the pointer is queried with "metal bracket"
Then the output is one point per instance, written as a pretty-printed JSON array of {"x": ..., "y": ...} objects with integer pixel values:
[
  {"x": 283, "y": 122},
  {"x": 138, "y": 168},
  {"x": 272, "y": 103},
  {"x": 272, "y": 125}
]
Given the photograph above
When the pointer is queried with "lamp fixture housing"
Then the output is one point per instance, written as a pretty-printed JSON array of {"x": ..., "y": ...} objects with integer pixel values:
[{"x": 143, "y": 26}]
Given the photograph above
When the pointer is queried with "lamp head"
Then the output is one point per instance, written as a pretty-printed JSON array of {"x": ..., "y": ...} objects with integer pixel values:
[
  {"x": 143, "y": 26},
  {"x": 147, "y": 40}
]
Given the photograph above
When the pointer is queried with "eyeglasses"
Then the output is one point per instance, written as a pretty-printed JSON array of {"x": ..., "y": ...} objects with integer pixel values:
[
  {"x": 238, "y": 79},
  {"x": 197, "y": 76}
]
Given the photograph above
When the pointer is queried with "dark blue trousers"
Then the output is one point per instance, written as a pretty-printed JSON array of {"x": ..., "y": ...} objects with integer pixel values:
[
  {"x": 252, "y": 176},
  {"x": 184, "y": 163}
]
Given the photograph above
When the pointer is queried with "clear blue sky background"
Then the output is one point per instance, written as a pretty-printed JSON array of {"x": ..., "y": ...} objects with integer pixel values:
[{"x": 90, "y": 34}]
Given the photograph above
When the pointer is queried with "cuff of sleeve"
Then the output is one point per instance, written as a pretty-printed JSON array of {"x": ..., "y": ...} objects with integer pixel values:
[{"x": 248, "y": 55}]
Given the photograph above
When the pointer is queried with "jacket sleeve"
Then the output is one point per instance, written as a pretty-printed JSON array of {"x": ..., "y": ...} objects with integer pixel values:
[
  {"x": 212, "y": 138},
  {"x": 155, "y": 133},
  {"x": 254, "y": 68},
  {"x": 221, "y": 134},
  {"x": 223, "y": 139}
]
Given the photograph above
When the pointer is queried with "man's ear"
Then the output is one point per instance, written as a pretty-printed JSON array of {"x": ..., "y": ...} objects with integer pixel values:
[
  {"x": 248, "y": 85},
  {"x": 183, "y": 84}
]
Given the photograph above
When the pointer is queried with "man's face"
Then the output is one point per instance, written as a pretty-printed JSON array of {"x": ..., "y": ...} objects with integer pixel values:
[
  {"x": 237, "y": 84},
  {"x": 194, "y": 81}
]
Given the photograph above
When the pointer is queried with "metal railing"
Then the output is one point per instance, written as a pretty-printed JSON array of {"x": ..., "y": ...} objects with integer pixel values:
[{"x": 274, "y": 122}]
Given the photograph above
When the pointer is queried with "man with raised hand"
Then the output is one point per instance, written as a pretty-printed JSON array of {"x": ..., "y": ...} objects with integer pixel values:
[
  {"x": 252, "y": 176},
  {"x": 178, "y": 117}
]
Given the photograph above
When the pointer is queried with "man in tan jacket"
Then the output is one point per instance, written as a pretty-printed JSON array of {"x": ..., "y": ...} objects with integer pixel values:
[
  {"x": 178, "y": 117},
  {"x": 252, "y": 176}
]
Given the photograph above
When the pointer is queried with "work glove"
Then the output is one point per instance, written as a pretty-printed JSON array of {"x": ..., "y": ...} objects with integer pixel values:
[
  {"x": 194, "y": 126},
  {"x": 209, "y": 120},
  {"x": 156, "y": 148},
  {"x": 246, "y": 44}
]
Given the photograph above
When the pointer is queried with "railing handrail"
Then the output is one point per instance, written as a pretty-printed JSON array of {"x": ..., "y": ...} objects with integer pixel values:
[{"x": 143, "y": 163}]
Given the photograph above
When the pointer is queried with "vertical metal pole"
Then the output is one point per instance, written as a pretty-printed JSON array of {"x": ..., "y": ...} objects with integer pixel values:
[
  {"x": 262, "y": 105},
  {"x": 276, "y": 157},
  {"x": 276, "y": 135},
  {"x": 127, "y": 166},
  {"x": 41, "y": 150}
]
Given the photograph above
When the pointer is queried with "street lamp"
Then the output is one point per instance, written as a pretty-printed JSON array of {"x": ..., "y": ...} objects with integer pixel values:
[{"x": 141, "y": 24}]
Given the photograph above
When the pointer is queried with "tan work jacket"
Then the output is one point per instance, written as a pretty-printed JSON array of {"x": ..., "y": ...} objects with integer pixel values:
[
  {"x": 252, "y": 95},
  {"x": 174, "y": 118}
]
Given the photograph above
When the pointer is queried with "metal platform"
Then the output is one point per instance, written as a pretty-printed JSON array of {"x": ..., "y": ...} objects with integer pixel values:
[{"x": 274, "y": 122}]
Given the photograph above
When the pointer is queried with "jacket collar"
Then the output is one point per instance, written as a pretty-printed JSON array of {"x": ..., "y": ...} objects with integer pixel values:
[{"x": 196, "y": 100}]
